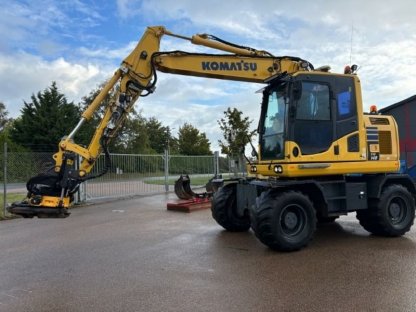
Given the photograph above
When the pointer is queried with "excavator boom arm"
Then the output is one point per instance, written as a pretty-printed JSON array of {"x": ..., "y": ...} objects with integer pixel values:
[
  {"x": 137, "y": 74},
  {"x": 227, "y": 67}
]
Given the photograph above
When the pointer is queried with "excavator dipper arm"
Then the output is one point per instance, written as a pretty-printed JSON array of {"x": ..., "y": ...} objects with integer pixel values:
[{"x": 51, "y": 193}]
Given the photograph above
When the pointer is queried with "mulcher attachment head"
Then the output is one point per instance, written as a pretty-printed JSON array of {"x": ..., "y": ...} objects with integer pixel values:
[
  {"x": 43, "y": 198},
  {"x": 26, "y": 210}
]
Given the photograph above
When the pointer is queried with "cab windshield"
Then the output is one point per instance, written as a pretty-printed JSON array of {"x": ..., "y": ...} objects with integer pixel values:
[{"x": 273, "y": 124}]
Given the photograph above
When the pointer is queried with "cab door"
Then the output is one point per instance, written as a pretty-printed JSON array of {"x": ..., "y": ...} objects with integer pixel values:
[
  {"x": 312, "y": 126},
  {"x": 324, "y": 120},
  {"x": 346, "y": 116}
]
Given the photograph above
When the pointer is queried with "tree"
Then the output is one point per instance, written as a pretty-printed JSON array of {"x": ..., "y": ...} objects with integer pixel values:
[
  {"x": 45, "y": 120},
  {"x": 192, "y": 142},
  {"x": 137, "y": 135},
  {"x": 236, "y": 132},
  {"x": 3, "y": 116},
  {"x": 87, "y": 131},
  {"x": 134, "y": 138},
  {"x": 5, "y": 125},
  {"x": 159, "y": 135},
  {"x": 5, "y": 138}
]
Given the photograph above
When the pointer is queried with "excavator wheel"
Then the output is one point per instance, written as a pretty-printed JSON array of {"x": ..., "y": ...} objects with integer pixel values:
[
  {"x": 224, "y": 210},
  {"x": 284, "y": 221},
  {"x": 391, "y": 215}
]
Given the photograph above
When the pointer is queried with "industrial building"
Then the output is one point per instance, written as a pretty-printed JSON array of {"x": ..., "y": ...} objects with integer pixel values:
[{"x": 404, "y": 112}]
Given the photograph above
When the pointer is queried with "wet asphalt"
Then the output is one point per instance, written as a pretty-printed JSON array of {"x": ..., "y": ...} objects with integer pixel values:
[{"x": 134, "y": 255}]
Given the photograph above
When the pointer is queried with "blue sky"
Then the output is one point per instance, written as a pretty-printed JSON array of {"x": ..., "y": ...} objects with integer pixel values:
[{"x": 79, "y": 44}]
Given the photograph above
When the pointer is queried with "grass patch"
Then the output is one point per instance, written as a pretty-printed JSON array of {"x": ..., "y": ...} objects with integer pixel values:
[{"x": 10, "y": 198}]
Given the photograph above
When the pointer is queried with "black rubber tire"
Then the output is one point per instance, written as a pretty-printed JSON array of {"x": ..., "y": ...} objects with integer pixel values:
[
  {"x": 224, "y": 210},
  {"x": 284, "y": 221},
  {"x": 391, "y": 215}
]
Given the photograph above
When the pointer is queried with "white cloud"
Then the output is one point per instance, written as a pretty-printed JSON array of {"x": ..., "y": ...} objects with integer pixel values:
[
  {"x": 29, "y": 25},
  {"x": 330, "y": 20},
  {"x": 107, "y": 53},
  {"x": 27, "y": 74},
  {"x": 128, "y": 8},
  {"x": 246, "y": 17},
  {"x": 385, "y": 72}
]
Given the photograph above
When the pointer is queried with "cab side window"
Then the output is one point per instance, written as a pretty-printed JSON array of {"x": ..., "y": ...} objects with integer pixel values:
[
  {"x": 314, "y": 103},
  {"x": 346, "y": 109},
  {"x": 313, "y": 131},
  {"x": 345, "y": 105}
]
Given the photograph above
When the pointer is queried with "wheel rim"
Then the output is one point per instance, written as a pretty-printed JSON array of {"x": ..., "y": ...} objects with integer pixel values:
[
  {"x": 292, "y": 220},
  {"x": 397, "y": 211}
]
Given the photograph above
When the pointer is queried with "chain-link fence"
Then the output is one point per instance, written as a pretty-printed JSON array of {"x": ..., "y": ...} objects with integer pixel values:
[
  {"x": 146, "y": 174},
  {"x": 130, "y": 174}
]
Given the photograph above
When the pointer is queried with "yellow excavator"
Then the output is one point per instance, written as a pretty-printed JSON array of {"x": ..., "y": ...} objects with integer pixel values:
[{"x": 319, "y": 155}]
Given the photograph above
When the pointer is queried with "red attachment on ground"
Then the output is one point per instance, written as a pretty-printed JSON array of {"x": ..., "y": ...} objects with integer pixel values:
[{"x": 189, "y": 205}]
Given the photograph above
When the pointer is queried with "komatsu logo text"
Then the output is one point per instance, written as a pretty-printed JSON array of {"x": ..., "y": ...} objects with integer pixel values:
[{"x": 237, "y": 66}]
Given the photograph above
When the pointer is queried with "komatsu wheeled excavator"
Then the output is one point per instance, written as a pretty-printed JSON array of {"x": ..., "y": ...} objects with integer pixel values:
[{"x": 319, "y": 155}]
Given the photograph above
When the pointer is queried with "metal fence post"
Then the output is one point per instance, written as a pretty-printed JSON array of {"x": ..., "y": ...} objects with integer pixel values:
[
  {"x": 166, "y": 165},
  {"x": 81, "y": 193},
  {"x": 216, "y": 164},
  {"x": 5, "y": 179}
]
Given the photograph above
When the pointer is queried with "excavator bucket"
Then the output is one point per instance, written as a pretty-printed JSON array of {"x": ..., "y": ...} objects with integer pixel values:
[{"x": 183, "y": 188}]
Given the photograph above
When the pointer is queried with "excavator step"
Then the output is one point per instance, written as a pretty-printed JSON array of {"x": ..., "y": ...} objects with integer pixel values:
[{"x": 27, "y": 211}]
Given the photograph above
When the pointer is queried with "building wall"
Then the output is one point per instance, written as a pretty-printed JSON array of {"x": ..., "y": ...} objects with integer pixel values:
[{"x": 405, "y": 114}]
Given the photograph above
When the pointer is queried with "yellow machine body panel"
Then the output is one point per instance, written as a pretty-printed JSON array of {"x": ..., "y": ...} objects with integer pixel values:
[{"x": 53, "y": 201}]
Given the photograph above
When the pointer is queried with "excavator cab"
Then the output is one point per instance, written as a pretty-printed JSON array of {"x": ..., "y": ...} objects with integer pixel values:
[
  {"x": 305, "y": 119},
  {"x": 312, "y": 124},
  {"x": 296, "y": 120}
]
